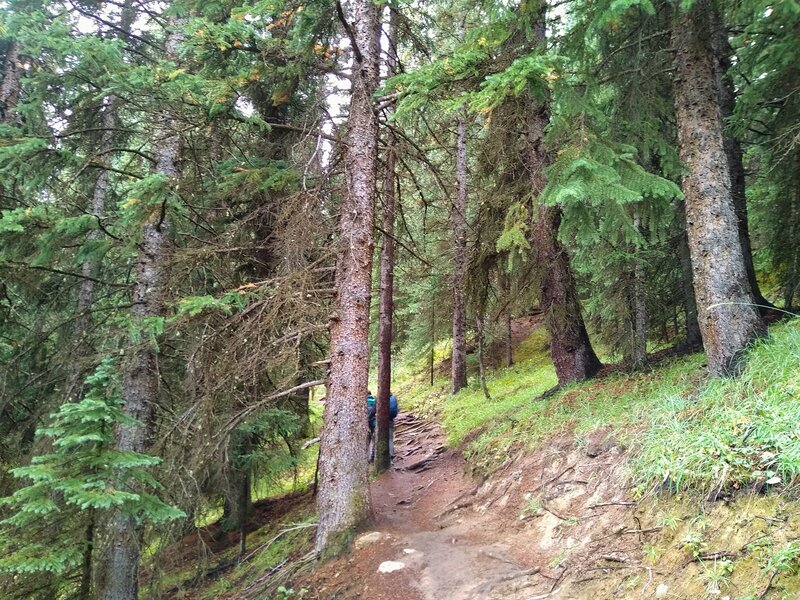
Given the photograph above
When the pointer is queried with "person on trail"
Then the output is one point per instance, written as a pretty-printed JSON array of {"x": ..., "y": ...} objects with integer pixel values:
[{"x": 371, "y": 416}]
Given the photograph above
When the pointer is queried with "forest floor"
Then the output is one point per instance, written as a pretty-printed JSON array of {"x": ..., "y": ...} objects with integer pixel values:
[{"x": 554, "y": 510}]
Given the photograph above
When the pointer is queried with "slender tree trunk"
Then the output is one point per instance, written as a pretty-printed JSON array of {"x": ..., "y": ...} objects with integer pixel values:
[
  {"x": 10, "y": 86},
  {"x": 639, "y": 354},
  {"x": 693, "y": 338},
  {"x": 386, "y": 309},
  {"x": 431, "y": 357},
  {"x": 458, "y": 377},
  {"x": 572, "y": 353},
  {"x": 792, "y": 282},
  {"x": 140, "y": 381},
  {"x": 85, "y": 591},
  {"x": 86, "y": 290},
  {"x": 343, "y": 500},
  {"x": 480, "y": 326},
  {"x": 727, "y": 317},
  {"x": 734, "y": 155},
  {"x": 505, "y": 292},
  {"x": 9, "y": 91}
]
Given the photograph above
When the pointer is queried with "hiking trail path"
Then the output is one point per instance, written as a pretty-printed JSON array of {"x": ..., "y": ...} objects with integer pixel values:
[{"x": 438, "y": 534}]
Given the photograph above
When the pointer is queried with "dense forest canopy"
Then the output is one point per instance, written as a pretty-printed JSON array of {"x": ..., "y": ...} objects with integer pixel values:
[{"x": 209, "y": 208}]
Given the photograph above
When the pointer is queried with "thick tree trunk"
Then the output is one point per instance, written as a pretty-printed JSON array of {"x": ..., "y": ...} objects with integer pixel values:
[
  {"x": 386, "y": 308},
  {"x": 572, "y": 353},
  {"x": 458, "y": 377},
  {"x": 727, "y": 317},
  {"x": 140, "y": 380},
  {"x": 343, "y": 500},
  {"x": 734, "y": 155},
  {"x": 639, "y": 346},
  {"x": 10, "y": 86},
  {"x": 693, "y": 338}
]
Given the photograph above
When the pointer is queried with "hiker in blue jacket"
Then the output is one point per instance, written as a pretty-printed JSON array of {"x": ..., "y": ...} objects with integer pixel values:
[{"x": 371, "y": 416}]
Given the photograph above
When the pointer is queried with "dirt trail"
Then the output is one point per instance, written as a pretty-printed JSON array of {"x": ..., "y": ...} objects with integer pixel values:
[{"x": 440, "y": 554}]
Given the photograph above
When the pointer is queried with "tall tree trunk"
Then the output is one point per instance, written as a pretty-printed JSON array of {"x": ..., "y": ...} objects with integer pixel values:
[
  {"x": 386, "y": 309},
  {"x": 432, "y": 353},
  {"x": 693, "y": 338},
  {"x": 727, "y": 317},
  {"x": 734, "y": 155},
  {"x": 572, "y": 353},
  {"x": 343, "y": 500},
  {"x": 86, "y": 290},
  {"x": 505, "y": 293},
  {"x": 480, "y": 326},
  {"x": 85, "y": 590},
  {"x": 639, "y": 346},
  {"x": 792, "y": 281},
  {"x": 10, "y": 86},
  {"x": 458, "y": 376},
  {"x": 140, "y": 380}
]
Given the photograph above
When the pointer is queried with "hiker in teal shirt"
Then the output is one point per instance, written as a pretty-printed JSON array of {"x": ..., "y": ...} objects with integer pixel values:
[{"x": 371, "y": 415}]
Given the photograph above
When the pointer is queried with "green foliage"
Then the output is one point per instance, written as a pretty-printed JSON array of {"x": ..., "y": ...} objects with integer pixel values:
[{"x": 76, "y": 484}]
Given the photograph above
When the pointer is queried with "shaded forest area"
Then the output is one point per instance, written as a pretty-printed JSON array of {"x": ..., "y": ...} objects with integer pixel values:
[{"x": 211, "y": 209}]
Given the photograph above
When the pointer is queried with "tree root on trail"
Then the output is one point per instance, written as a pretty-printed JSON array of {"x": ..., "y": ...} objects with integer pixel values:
[
  {"x": 482, "y": 590},
  {"x": 424, "y": 464}
]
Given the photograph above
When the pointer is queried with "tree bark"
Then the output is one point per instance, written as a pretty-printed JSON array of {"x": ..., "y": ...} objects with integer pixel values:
[
  {"x": 728, "y": 320},
  {"x": 480, "y": 322},
  {"x": 343, "y": 500},
  {"x": 10, "y": 86},
  {"x": 639, "y": 346},
  {"x": 458, "y": 376},
  {"x": 386, "y": 308},
  {"x": 693, "y": 338},
  {"x": 572, "y": 353},
  {"x": 505, "y": 292},
  {"x": 140, "y": 380},
  {"x": 792, "y": 281},
  {"x": 86, "y": 290},
  {"x": 734, "y": 155}
]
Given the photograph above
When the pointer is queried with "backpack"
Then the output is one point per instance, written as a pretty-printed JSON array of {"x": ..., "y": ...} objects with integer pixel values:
[
  {"x": 371, "y": 407},
  {"x": 393, "y": 407}
]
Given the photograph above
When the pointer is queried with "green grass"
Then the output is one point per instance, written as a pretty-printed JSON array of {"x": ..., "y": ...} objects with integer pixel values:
[
  {"x": 733, "y": 432},
  {"x": 684, "y": 429}
]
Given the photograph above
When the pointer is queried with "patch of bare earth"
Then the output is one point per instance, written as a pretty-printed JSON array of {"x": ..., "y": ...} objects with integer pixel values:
[{"x": 542, "y": 527}]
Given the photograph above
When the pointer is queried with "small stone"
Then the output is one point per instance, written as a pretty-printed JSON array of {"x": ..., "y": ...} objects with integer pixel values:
[
  {"x": 367, "y": 539},
  {"x": 408, "y": 551},
  {"x": 661, "y": 590},
  {"x": 390, "y": 566}
]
